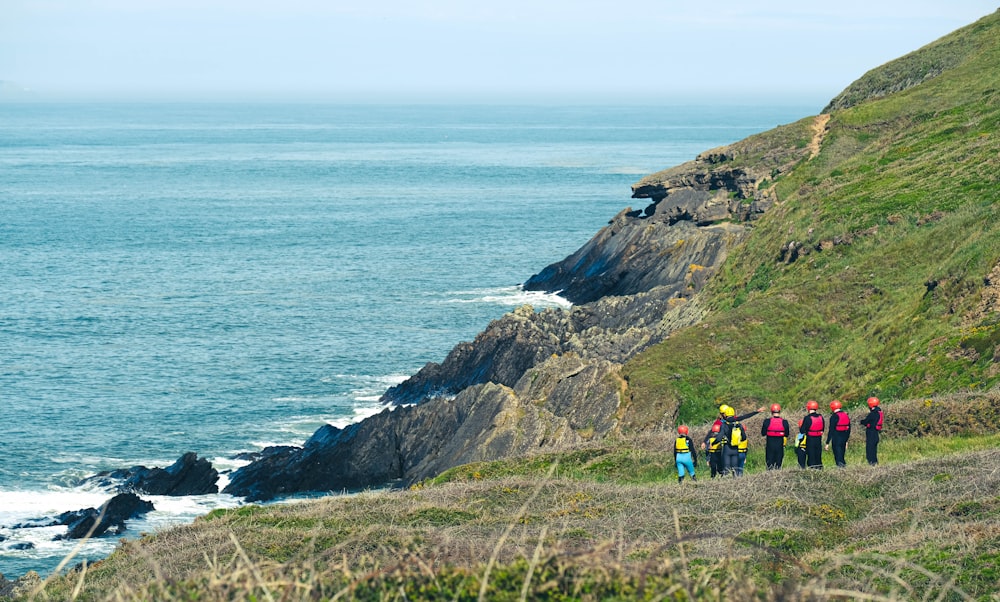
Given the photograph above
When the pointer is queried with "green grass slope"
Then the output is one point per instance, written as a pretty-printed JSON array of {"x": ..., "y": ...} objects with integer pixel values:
[{"x": 893, "y": 289}]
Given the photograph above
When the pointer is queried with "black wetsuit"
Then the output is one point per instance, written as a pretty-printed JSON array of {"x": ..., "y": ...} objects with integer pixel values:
[
  {"x": 774, "y": 447},
  {"x": 731, "y": 453},
  {"x": 873, "y": 432},
  {"x": 814, "y": 443},
  {"x": 836, "y": 438}
]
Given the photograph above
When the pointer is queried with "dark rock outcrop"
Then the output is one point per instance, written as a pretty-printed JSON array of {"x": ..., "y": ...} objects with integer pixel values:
[
  {"x": 189, "y": 475},
  {"x": 406, "y": 444},
  {"x": 111, "y": 516},
  {"x": 535, "y": 380}
]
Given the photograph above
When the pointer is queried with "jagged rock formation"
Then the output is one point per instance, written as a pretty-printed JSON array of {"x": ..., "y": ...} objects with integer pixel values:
[
  {"x": 409, "y": 443},
  {"x": 532, "y": 380},
  {"x": 189, "y": 475},
  {"x": 537, "y": 380}
]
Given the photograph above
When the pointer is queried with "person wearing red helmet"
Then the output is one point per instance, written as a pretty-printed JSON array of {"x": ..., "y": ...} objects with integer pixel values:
[
  {"x": 713, "y": 450},
  {"x": 775, "y": 430},
  {"x": 812, "y": 427},
  {"x": 873, "y": 429},
  {"x": 685, "y": 455},
  {"x": 839, "y": 433}
]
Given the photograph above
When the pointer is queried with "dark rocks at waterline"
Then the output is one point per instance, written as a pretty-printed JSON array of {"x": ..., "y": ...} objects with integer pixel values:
[
  {"x": 111, "y": 516},
  {"x": 189, "y": 475},
  {"x": 482, "y": 423}
]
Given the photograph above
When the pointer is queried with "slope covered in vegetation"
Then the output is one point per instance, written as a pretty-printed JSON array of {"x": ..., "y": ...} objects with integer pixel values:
[
  {"x": 877, "y": 269},
  {"x": 874, "y": 270}
]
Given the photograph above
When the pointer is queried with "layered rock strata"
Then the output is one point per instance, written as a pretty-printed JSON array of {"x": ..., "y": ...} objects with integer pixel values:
[{"x": 534, "y": 381}]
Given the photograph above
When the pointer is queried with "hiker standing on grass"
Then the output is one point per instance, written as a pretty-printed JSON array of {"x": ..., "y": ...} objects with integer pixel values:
[
  {"x": 800, "y": 446},
  {"x": 839, "y": 433},
  {"x": 685, "y": 455},
  {"x": 743, "y": 449},
  {"x": 813, "y": 427},
  {"x": 873, "y": 429},
  {"x": 733, "y": 434},
  {"x": 776, "y": 431},
  {"x": 713, "y": 449}
]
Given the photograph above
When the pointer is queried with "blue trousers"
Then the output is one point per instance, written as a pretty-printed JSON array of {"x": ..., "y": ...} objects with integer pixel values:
[{"x": 685, "y": 462}]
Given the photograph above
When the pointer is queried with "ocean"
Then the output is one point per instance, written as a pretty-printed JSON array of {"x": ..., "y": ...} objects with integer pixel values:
[{"x": 218, "y": 278}]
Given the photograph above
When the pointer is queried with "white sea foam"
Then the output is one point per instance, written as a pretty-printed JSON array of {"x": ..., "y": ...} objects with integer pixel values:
[
  {"x": 17, "y": 507},
  {"x": 510, "y": 296}
]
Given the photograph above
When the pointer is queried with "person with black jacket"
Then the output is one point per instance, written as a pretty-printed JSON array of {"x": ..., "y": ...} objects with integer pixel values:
[
  {"x": 685, "y": 455},
  {"x": 813, "y": 427},
  {"x": 713, "y": 450},
  {"x": 733, "y": 433},
  {"x": 873, "y": 429},
  {"x": 776, "y": 431},
  {"x": 839, "y": 433}
]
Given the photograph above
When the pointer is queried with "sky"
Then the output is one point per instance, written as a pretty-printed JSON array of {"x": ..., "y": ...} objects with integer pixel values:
[{"x": 642, "y": 51}]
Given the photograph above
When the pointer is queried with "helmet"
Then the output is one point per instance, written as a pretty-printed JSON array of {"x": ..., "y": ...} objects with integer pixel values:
[
  {"x": 835, "y": 405},
  {"x": 729, "y": 412},
  {"x": 682, "y": 430},
  {"x": 724, "y": 408},
  {"x": 716, "y": 427},
  {"x": 872, "y": 402},
  {"x": 812, "y": 405},
  {"x": 775, "y": 408}
]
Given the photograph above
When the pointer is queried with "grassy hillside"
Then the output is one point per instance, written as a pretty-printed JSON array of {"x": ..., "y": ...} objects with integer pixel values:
[
  {"x": 877, "y": 271},
  {"x": 609, "y": 522},
  {"x": 892, "y": 289}
]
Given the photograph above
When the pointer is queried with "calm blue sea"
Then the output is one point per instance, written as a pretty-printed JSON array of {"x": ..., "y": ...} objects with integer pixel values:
[{"x": 221, "y": 277}]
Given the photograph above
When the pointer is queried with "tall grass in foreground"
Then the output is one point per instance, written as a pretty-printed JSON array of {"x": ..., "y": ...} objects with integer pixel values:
[{"x": 920, "y": 529}]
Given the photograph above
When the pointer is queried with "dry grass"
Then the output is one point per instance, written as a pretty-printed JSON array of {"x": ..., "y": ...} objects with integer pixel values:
[{"x": 904, "y": 531}]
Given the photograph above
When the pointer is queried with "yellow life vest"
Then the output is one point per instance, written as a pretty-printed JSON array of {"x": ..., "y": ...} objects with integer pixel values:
[
  {"x": 802, "y": 441},
  {"x": 681, "y": 445},
  {"x": 714, "y": 442},
  {"x": 744, "y": 443}
]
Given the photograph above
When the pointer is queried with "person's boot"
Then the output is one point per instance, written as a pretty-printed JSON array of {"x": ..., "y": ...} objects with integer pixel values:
[
  {"x": 680, "y": 479},
  {"x": 694, "y": 478}
]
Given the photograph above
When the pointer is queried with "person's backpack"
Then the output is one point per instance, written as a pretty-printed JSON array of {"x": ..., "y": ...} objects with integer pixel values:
[{"x": 736, "y": 434}]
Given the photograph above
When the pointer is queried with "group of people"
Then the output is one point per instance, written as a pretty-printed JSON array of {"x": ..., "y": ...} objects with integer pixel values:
[{"x": 726, "y": 443}]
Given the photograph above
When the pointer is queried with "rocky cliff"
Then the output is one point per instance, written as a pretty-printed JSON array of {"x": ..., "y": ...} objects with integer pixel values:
[{"x": 537, "y": 380}]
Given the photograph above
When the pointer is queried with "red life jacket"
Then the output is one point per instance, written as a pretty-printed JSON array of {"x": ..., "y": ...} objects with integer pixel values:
[
  {"x": 843, "y": 421},
  {"x": 816, "y": 426},
  {"x": 776, "y": 427},
  {"x": 881, "y": 416}
]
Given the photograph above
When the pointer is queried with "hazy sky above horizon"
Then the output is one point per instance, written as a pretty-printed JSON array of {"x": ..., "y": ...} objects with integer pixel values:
[{"x": 511, "y": 50}]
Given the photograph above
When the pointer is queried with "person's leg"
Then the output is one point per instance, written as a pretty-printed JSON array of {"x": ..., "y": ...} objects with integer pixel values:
[
  {"x": 871, "y": 446},
  {"x": 839, "y": 447}
]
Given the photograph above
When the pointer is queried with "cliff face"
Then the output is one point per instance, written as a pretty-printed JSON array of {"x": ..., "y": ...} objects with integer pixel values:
[
  {"x": 895, "y": 201},
  {"x": 697, "y": 212},
  {"x": 537, "y": 380}
]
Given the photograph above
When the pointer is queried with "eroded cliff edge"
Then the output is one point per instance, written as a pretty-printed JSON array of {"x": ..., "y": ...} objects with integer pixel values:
[{"x": 539, "y": 380}]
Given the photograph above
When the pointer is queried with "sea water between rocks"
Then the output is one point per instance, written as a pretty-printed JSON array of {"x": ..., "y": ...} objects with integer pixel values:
[{"x": 218, "y": 278}]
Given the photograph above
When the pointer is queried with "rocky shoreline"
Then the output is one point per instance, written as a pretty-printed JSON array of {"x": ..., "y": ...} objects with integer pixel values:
[{"x": 531, "y": 381}]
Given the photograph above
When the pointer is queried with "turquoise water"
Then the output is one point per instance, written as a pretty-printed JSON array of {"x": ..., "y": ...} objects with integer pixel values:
[{"x": 217, "y": 278}]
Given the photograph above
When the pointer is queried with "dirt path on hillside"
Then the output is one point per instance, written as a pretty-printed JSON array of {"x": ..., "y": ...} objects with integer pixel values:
[{"x": 819, "y": 130}]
